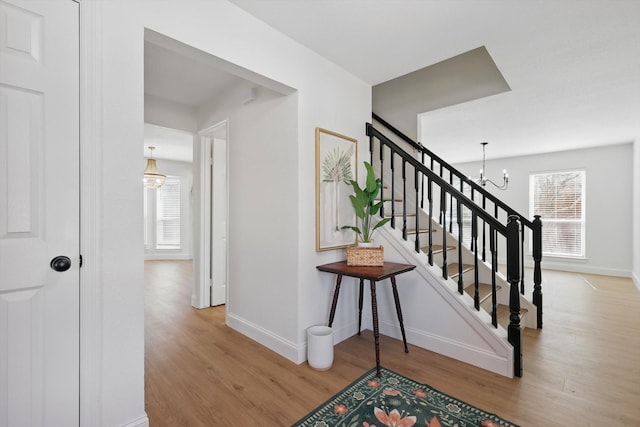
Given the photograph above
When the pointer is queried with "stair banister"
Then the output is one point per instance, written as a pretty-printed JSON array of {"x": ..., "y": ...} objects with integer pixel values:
[
  {"x": 404, "y": 137},
  {"x": 422, "y": 154},
  {"x": 393, "y": 191},
  {"x": 513, "y": 231},
  {"x": 497, "y": 202},
  {"x": 537, "y": 269},
  {"x": 494, "y": 264},
  {"x": 535, "y": 226},
  {"x": 446, "y": 190},
  {"x": 460, "y": 231},
  {"x": 381, "y": 195},
  {"x": 404, "y": 200},
  {"x": 513, "y": 277},
  {"x": 417, "y": 205},
  {"x": 476, "y": 277},
  {"x": 443, "y": 214},
  {"x": 430, "y": 236},
  {"x": 442, "y": 183}
]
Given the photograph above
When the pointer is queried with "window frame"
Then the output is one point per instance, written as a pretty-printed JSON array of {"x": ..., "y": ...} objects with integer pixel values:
[
  {"x": 582, "y": 221},
  {"x": 151, "y": 218}
]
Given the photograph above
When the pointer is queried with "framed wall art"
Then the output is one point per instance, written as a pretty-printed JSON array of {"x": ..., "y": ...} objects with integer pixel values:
[{"x": 336, "y": 166}]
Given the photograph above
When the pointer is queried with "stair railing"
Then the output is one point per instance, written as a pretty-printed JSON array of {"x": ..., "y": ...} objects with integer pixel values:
[
  {"x": 485, "y": 200},
  {"x": 417, "y": 173}
]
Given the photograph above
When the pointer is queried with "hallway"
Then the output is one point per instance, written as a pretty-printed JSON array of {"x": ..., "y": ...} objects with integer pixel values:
[{"x": 583, "y": 368}]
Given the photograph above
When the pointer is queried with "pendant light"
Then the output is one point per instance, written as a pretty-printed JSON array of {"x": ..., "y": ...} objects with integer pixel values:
[
  {"x": 152, "y": 177},
  {"x": 483, "y": 180}
]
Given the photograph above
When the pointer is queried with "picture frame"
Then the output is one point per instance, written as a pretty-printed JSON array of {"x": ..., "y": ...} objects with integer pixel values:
[{"x": 336, "y": 166}]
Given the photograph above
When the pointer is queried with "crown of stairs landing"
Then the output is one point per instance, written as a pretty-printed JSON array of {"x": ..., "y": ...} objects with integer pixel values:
[{"x": 462, "y": 229}]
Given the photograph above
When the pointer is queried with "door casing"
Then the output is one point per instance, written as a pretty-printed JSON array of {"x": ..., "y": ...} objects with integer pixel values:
[{"x": 203, "y": 238}]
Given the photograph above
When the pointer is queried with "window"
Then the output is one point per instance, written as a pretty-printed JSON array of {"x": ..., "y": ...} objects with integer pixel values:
[
  {"x": 558, "y": 197},
  {"x": 162, "y": 216},
  {"x": 168, "y": 215},
  {"x": 465, "y": 214}
]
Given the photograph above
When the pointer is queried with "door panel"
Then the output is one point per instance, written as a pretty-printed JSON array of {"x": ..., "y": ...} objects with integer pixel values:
[
  {"x": 39, "y": 212},
  {"x": 219, "y": 222}
]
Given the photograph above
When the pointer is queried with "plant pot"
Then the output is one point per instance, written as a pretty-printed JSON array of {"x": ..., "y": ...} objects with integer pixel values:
[{"x": 368, "y": 244}]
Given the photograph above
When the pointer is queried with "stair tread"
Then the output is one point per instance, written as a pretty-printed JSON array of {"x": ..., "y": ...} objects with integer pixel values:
[
  {"x": 436, "y": 249},
  {"x": 484, "y": 290},
  {"x": 413, "y": 230},
  {"x": 452, "y": 269}
]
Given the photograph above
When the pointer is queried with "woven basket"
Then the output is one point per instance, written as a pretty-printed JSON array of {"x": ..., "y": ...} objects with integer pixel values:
[{"x": 357, "y": 256}]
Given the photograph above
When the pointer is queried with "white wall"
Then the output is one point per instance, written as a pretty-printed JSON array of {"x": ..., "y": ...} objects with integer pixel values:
[
  {"x": 326, "y": 96},
  {"x": 609, "y": 219},
  {"x": 262, "y": 152},
  {"x": 115, "y": 396}
]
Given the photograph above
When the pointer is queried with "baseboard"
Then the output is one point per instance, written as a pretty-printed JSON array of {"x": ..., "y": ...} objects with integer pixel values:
[
  {"x": 496, "y": 356},
  {"x": 636, "y": 280},
  {"x": 196, "y": 303},
  {"x": 282, "y": 346},
  {"x": 586, "y": 269},
  {"x": 139, "y": 422},
  {"x": 502, "y": 365}
]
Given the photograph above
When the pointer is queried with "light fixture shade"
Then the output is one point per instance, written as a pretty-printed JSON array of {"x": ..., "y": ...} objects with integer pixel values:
[{"x": 152, "y": 177}]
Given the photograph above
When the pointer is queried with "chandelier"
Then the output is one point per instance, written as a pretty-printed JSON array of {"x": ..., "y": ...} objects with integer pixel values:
[
  {"x": 483, "y": 180},
  {"x": 152, "y": 177}
]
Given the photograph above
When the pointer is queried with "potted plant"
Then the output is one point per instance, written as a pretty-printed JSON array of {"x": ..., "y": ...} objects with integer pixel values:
[{"x": 366, "y": 208}]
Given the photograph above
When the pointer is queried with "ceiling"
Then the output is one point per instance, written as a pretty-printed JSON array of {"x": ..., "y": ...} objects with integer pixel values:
[
  {"x": 573, "y": 66},
  {"x": 169, "y": 144},
  {"x": 182, "y": 79}
]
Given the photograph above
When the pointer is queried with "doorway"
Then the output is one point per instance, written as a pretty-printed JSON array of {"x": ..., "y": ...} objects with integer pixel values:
[
  {"x": 212, "y": 286},
  {"x": 168, "y": 207}
]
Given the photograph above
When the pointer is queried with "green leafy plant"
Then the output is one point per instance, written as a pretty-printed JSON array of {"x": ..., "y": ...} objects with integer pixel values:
[{"x": 365, "y": 206}]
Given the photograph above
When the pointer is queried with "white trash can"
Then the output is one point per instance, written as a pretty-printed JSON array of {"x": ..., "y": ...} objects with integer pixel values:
[{"x": 320, "y": 347}]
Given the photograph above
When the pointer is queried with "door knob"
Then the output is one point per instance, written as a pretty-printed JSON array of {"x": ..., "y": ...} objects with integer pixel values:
[{"x": 60, "y": 263}]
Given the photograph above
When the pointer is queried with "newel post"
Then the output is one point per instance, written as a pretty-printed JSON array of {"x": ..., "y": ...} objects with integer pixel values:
[
  {"x": 537, "y": 269},
  {"x": 513, "y": 276}
]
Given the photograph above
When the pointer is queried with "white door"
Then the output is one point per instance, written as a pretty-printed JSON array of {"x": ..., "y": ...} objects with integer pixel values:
[
  {"x": 39, "y": 213},
  {"x": 219, "y": 221}
]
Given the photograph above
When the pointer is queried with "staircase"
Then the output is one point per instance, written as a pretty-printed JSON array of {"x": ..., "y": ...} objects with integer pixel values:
[{"x": 462, "y": 230}]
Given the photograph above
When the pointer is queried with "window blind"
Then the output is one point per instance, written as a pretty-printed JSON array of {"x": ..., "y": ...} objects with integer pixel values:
[
  {"x": 558, "y": 197},
  {"x": 168, "y": 214}
]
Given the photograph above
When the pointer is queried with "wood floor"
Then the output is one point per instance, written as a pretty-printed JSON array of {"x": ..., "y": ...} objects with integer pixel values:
[{"x": 582, "y": 369}]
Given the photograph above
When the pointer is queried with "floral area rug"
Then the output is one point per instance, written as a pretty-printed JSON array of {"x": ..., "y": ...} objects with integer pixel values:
[{"x": 394, "y": 400}]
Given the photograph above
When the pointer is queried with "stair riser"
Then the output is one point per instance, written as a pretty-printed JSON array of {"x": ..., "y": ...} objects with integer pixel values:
[
  {"x": 397, "y": 206},
  {"x": 452, "y": 256},
  {"x": 399, "y": 221}
]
